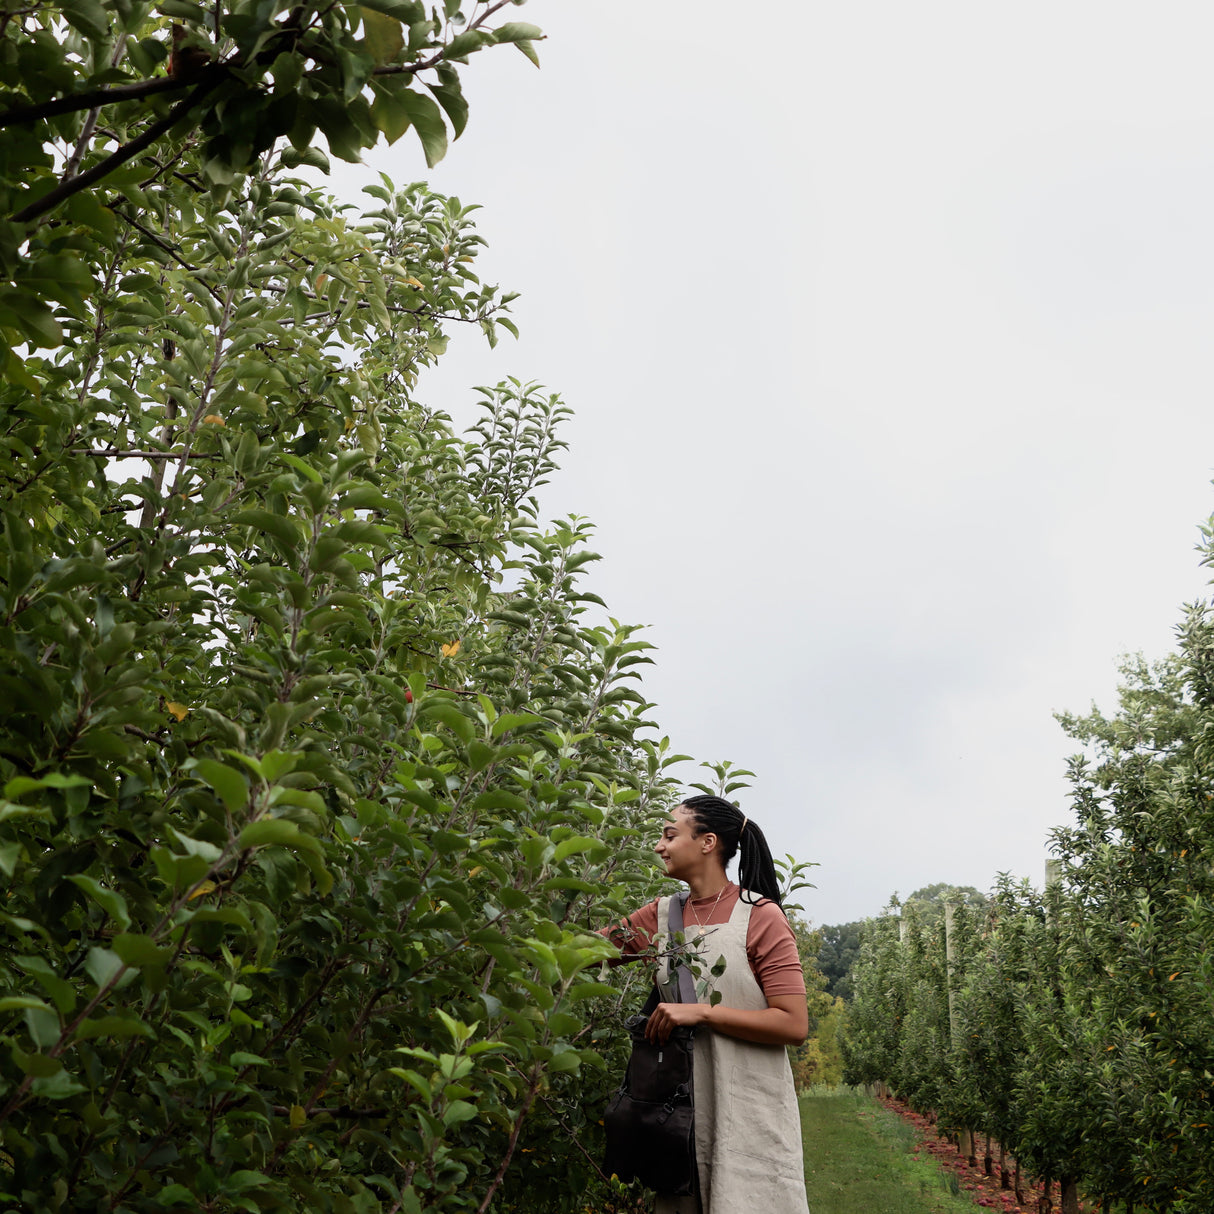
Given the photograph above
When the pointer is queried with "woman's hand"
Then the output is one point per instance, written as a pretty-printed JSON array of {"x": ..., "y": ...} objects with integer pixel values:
[
  {"x": 784, "y": 1021},
  {"x": 667, "y": 1016}
]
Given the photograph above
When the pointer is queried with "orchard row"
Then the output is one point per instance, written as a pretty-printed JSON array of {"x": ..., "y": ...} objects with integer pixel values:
[{"x": 1076, "y": 1026}]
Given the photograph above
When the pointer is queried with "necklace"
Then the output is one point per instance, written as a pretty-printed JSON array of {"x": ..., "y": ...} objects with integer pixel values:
[{"x": 698, "y": 921}]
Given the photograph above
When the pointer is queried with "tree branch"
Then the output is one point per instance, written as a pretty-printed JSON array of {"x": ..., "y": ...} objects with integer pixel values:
[
  {"x": 533, "y": 1088},
  {"x": 92, "y": 99},
  {"x": 169, "y": 249},
  {"x": 439, "y": 56},
  {"x": 73, "y": 185},
  {"x": 112, "y": 453}
]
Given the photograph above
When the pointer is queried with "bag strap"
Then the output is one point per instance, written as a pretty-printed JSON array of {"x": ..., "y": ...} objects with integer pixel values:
[{"x": 674, "y": 922}]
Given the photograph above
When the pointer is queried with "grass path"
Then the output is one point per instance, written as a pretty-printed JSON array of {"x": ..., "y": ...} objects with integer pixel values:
[{"x": 858, "y": 1161}]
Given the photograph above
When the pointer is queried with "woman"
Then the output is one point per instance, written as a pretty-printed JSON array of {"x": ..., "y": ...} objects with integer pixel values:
[{"x": 747, "y": 1124}]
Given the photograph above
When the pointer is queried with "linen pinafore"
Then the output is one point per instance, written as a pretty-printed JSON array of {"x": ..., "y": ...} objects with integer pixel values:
[{"x": 747, "y": 1123}]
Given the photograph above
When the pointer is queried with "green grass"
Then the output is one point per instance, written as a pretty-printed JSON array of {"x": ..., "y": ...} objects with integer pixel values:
[{"x": 857, "y": 1160}]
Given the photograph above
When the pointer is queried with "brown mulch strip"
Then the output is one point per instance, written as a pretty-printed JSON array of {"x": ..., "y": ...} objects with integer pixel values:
[{"x": 985, "y": 1191}]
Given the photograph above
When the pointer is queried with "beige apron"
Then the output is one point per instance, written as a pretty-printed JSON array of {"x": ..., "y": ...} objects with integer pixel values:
[{"x": 747, "y": 1124}]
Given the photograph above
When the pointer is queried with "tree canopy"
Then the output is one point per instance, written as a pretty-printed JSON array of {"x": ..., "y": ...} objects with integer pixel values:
[
  {"x": 108, "y": 108},
  {"x": 322, "y": 763}
]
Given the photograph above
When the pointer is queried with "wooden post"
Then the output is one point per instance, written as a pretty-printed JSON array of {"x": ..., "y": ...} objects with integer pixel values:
[
  {"x": 950, "y": 967},
  {"x": 965, "y": 1138}
]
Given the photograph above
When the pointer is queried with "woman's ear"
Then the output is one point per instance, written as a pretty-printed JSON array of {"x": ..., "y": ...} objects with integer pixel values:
[{"x": 708, "y": 842}]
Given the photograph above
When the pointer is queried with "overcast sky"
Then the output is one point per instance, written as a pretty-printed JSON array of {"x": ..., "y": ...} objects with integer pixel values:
[{"x": 887, "y": 328}]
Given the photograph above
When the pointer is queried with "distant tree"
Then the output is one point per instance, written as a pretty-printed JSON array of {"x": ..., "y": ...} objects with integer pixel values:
[
  {"x": 840, "y": 947},
  {"x": 931, "y": 899}
]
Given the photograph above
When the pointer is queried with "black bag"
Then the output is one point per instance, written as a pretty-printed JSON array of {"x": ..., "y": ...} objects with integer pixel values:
[{"x": 650, "y": 1121}]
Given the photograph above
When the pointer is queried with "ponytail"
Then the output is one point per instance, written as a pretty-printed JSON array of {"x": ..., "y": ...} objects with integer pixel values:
[{"x": 737, "y": 833}]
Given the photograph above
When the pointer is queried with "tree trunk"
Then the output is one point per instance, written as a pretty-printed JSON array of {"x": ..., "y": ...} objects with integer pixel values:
[
  {"x": 1021, "y": 1200},
  {"x": 1005, "y": 1181},
  {"x": 1069, "y": 1197},
  {"x": 1045, "y": 1203},
  {"x": 988, "y": 1164}
]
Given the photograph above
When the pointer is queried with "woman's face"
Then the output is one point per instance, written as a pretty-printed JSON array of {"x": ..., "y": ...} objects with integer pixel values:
[{"x": 678, "y": 846}]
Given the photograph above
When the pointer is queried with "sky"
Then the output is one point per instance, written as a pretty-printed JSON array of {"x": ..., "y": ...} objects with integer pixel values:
[{"x": 887, "y": 332}]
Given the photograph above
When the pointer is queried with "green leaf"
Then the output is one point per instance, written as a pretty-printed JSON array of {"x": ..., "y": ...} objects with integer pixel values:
[
  {"x": 9, "y": 810},
  {"x": 499, "y": 798},
  {"x": 43, "y": 1025},
  {"x": 451, "y": 98},
  {"x": 38, "y": 323},
  {"x": 427, "y": 120},
  {"x": 59, "y": 989},
  {"x": 14, "y": 1003},
  {"x": 449, "y": 714},
  {"x": 515, "y": 720},
  {"x": 384, "y": 36},
  {"x": 59, "y": 1086},
  {"x": 226, "y": 781},
  {"x": 20, "y": 785},
  {"x": 36, "y": 1064},
  {"x": 589, "y": 990},
  {"x": 242, "y": 1058},
  {"x": 102, "y": 965},
  {"x": 459, "y": 1111},
  {"x": 176, "y": 1195},
  {"x": 195, "y": 14},
  {"x": 270, "y": 832},
  {"x": 279, "y": 526},
  {"x": 521, "y": 35},
  {"x": 10, "y": 854},
  {"x": 118, "y": 1028},
  {"x": 294, "y": 461},
  {"x": 109, "y": 900},
  {"x": 465, "y": 44},
  {"x": 179, "y": 872},
  {"x": 400, "y": 9},
  {"x": 517, "y": 31},
  {"x": 576, "y": 846},
  {"x": 88, "y": 17},
  {"x": 138, "y": 950},
  {"x": 200, "y": 849}
]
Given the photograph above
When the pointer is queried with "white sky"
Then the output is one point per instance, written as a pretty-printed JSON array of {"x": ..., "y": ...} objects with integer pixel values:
[{"x": 887, "y": 331}]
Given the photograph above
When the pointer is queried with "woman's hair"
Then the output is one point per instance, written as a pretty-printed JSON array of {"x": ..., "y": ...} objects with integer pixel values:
[{"x": 756, "y": 871}]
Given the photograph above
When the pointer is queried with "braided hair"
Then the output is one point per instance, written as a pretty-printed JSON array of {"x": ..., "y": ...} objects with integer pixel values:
[{"x": 756, "y": 870}]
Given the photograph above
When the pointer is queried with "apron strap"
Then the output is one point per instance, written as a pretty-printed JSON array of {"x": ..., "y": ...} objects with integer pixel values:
[{"x": 686, "y": 988}]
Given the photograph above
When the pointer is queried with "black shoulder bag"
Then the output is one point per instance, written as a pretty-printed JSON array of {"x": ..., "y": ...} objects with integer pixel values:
[{"x": 650, "y": 1121}]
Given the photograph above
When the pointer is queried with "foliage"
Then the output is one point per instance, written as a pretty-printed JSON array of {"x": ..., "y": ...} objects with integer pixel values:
[
  {"x": 930, "y": 901},
  {"x": 871, "y": 1045},
  {"x": 815, "y": 1060},
  {"x": 321, "y": 767},
  {"x": 1084, "y": 1013},
  {"x": 818, "y": 1061},
  {"x": 305, "y": 818},
  {"x": 317, "y": 774},
  {"x": 108, "y": 106},
  {"x": 840, "y": 947}
]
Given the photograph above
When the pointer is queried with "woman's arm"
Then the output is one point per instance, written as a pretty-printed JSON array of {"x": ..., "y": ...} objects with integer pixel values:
[{"x": 784, "y": 1021}]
